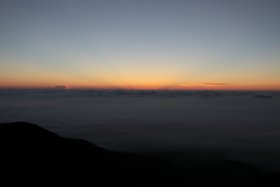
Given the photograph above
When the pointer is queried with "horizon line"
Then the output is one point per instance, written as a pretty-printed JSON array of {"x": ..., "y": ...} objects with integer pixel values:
[{"x": 152, "y": 89}]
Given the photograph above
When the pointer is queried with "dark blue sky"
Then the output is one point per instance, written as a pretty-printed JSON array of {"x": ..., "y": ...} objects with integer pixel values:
[{"x": 144, "y": 43}]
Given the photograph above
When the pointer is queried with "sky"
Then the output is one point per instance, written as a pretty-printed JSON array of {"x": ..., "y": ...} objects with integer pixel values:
[{"x": 140, "y": 44}]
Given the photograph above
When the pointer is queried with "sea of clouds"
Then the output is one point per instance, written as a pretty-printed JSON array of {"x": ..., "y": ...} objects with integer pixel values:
[{"x": 243, "y": 125}]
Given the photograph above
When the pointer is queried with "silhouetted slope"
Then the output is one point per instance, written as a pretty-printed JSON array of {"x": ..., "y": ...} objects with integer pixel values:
[{"x": 27, "y": 149}]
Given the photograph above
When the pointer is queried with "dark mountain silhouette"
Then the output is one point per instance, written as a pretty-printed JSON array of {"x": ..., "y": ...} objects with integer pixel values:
[
  {"x": 263, "y": 96},
  {"x": 32, "y": 152}
]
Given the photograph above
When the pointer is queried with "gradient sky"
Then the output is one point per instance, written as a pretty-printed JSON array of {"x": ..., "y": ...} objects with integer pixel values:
[{"x": 186, "y": 44}]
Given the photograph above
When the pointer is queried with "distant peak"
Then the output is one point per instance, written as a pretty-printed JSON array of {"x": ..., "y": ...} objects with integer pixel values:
[{"x": 60, "y": 87}]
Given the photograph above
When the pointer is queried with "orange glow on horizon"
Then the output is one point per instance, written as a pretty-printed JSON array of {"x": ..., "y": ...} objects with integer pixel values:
[{"x": 142, "y": 86}]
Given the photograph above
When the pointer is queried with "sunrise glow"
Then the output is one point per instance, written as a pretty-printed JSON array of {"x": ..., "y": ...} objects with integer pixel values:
[{"x": 140, "y": 45}]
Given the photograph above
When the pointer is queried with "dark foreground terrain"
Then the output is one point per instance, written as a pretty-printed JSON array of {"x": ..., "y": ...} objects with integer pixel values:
[{"x": 29, "y": 153}]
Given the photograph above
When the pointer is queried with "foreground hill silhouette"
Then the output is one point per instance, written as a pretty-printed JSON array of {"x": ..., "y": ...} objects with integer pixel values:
[{"x": 29, "y": 150}]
